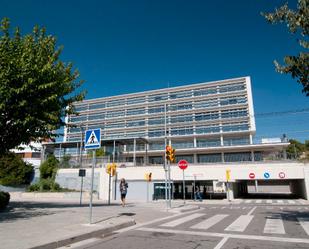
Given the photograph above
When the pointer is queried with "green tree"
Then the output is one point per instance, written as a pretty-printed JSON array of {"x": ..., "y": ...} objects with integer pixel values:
[
  {"x": 36, "y": 87},
  {"x": 295, "y": 149},
  {"x": 14, "y": 171},
  {"x": 307, "y": 145},
  {"x": 298, "y": 23}
]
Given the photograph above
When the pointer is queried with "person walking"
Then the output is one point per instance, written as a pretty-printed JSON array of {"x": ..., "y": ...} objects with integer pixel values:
[
  {"x": 123, "y": 187},
  {"x": 198, "y": 194}
]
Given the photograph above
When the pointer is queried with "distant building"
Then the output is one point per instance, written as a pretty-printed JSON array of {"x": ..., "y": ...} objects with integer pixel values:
[{"x": 211, "y": 125}]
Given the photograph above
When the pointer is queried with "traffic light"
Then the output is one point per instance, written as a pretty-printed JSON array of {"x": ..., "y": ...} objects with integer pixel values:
[
  {"x": 113, "y": 169},
  {"x": 172, "y": 157},
  {"x": 148, "y": 177},
  {"x": 108, "y": 168},
  {"x": 170, "y": 154},
  {"x": 168, "y": 151}
]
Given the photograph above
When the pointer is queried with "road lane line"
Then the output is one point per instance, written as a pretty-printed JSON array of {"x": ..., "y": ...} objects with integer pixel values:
[
  {"x": 182, "y": 220},
  {"x": 280, "y": 201},
  {"x": 233, "y": 236},
  {"x": 240, "y": 224},
  {"x": 291, "y": 202},
  {"x": 221, "y": 243},
  {"x": 274, "y": 224},
  {"x": 248, "y": 201},
  {"x": 251, "y": 211},
  {"x": 304, "y": 222},
  {"x": 269, "y": 201},
  {"x": 205, "y": 224},
  {"x": 258, "y": 201}
]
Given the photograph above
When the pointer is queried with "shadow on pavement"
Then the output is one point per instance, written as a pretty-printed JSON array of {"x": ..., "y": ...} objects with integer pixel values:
[{"x": 28, "y": 209}]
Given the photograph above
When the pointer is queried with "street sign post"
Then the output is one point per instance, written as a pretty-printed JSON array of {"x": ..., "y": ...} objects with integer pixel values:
[
  {"x": 92, "y": 142},
  {"x": 81, "y": 173},
  {"x": 183, "y": 164}
]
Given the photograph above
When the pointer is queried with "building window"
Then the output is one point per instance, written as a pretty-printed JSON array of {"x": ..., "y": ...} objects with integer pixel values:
[
  {"x": 181, "y": 119},
  {"x": 114, "y": 125},
  {"x": 96, "y": 106},
  {"x": 96, "y": 116},
  {"x": 188, "y": 158},
  {"x": 233, "y": 100},
  {"x": 118, "y": 102},
  {"x": 208, "y": 142},
  {"x": 139, "y": 147},
  {"x": 135, "y": 123},
  {"x": 181, "y": 131},
  {"x": 182, "y": 144},
  {"x": 180, "y": 106},
  {"x": 138, "y": 111},
  {"x": 235, "y": 141},
  {"x": 207, "y": 129},
  {"x": 80, "y": 108},
  {"x": 183, "y": 94},
  {"x": 156, "y": 160},
  {"x": 157, "y": 146},
  {"x": 113, "y": 114},
  {"x": 206, "y": 104},
  {"x": 157, "y": 97},
  {"x": 237, "y": 157},
  {"x": 204, "y": 92},
  {"x": 136, "y": 100},
  {"x": 156, "y": 133},
  {"x": 231, "y": 88},
  {"x": 235, "y": 127},
  {"x": 258, "y": 156},
  {"x": 209, "y": 158},
  {"x": 206, "y": 116},
  {"x": 156, "y": 109},
  {"x": 234, "y": 113},
  {"x": 156, "y": 121},
  {"x": 79, "y": 118}
]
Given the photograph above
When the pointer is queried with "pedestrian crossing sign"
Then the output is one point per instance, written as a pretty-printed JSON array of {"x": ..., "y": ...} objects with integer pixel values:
[{"x": 93, "y": 139}]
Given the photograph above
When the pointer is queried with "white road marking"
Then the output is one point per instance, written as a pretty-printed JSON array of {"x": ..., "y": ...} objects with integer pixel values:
[
  {"x": 248, "y": 201},
  {"x": 233, "y": 236},
  {"x": 221, "y": 243},
  {"x": 240, "y": 224},
  {"x": 280, "y": 201},
  {"x": 274, "y": 224},
  {"x": 205, "y": 224},
  {"x": 155, "y": 221},
  {"x": 291, "y": 202},
  {"x": 269, "y": 201},
  {"x": 223, "y": 207},
  {"x": 304, "y": 222},
  {"x": 182, "y": 220},
  {"x": 258, "y": 201},
  {"x": 251, "y": 211}
]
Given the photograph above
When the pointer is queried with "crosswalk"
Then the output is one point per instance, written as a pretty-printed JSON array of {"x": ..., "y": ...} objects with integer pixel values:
[
  {"x": 281, "y": 202},
  {"x": 271, "y": 225}
]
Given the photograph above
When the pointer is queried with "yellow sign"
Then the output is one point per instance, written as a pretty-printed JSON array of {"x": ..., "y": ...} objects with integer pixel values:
[{"x": 228, "y": 174}]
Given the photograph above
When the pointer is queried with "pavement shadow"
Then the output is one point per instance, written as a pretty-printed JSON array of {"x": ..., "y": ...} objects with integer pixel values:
[
  {"x": 27, "y": 209},
  {"x": 287, "y": 215}
]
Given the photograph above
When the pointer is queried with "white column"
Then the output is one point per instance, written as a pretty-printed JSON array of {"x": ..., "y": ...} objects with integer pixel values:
[{"x": 134, "y": 152}]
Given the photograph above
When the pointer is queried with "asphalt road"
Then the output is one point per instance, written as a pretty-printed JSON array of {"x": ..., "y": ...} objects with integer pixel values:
[{"x": 243, "y": 226}]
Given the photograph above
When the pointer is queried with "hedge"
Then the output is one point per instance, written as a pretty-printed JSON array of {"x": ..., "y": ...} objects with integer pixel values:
[{"x": 4, "y": 199}]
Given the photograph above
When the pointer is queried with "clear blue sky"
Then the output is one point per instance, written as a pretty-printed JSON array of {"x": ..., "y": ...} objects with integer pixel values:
[{"x": 130, "y": 46}]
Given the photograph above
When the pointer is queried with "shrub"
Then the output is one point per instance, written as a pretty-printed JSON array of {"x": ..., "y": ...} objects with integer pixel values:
[
  {"x": 49, "y": 168},
  {"x": 14, "y": 171},
  {"x": 4, "y": 199}
]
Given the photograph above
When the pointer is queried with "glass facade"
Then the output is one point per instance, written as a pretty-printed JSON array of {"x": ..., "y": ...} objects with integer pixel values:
[{"x": 197, "y": 116}]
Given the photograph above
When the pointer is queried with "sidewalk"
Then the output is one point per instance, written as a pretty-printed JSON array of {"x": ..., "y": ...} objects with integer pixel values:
[{"x": 51, "y": 223}]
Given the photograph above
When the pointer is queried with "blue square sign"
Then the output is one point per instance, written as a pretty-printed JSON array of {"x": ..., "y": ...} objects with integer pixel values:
[{"x": 93, "y": 139}]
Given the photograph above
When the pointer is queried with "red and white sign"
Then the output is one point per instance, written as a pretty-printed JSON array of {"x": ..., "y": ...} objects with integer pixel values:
[
  {"x": 252, "y": 175},
  {"x": 282, "y": 175},
  {"x": 183, "y": 164}
]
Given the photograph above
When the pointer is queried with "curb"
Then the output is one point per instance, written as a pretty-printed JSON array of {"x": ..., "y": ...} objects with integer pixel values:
[{"x": 103, "y": 232}]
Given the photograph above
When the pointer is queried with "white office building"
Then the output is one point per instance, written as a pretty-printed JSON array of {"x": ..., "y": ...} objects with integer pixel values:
[{"x": 211, "y": 125}]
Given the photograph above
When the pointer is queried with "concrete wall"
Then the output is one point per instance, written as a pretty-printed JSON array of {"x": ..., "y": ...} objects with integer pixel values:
[
  {"x": 68, "y": 178},
  {"x": 217, "y": 172}
]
